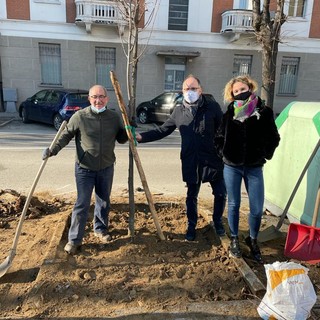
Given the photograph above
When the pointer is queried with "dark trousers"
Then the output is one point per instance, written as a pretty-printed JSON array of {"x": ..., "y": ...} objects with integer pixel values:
[{"x": 219, "y": 192}]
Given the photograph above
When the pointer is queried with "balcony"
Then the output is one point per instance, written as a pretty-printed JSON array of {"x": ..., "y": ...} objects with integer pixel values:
[
  {"x": 237, "y": 22},
  {"x": 105, "y": 12}
]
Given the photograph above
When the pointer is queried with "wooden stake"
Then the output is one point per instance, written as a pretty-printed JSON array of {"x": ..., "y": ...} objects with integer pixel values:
[{"x": 134, "y": 151}]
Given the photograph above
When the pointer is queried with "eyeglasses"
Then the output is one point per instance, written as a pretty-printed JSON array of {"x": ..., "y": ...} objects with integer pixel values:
[
  {"x": 98, "y": 97},
  {"x": 192, "y": 89}
]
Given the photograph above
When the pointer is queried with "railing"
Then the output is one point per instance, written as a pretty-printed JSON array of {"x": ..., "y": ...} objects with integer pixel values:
[
  {"x": 98, "y": 12},
  {"x": 237, "y": 21}
]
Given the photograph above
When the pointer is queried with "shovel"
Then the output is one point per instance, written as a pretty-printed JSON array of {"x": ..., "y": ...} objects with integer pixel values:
[
  {"x": 303, "y": 242},
  {"x": 273, "y": 232},
  {"x": 6, "y": 264}
]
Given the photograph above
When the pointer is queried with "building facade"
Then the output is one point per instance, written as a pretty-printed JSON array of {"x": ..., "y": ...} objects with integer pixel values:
[{"x": 75, "y": 43}]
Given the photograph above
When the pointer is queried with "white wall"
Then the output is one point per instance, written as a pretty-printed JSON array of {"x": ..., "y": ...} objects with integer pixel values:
[
  {"x": 3, "y": 9},
  {"x": 200, "y": 16},
  {"x": 48, "y": 10},
  {"x": 161, "y": 18}
]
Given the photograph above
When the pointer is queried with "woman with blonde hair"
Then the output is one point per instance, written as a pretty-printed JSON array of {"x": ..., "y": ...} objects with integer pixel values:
[{"x": 247, "y": 137}]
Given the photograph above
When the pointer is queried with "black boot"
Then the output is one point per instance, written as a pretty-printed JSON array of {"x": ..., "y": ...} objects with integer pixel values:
[
  {"x": 190, "y": 234},
  {"x": 235, "y": 247},
  {"x": 254, "y": 248}
]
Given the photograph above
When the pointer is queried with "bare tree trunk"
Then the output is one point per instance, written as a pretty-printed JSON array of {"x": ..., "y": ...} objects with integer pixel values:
[
  {"x": 132, "y": 80},
  {"x": 267, "y": 31},
  {"x": 133, "y": 12}
]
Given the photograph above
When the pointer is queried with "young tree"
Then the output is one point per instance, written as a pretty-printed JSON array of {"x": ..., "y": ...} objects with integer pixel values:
[
  {"x": 267, "y": 29},
  {"x": 133, "y": 13}
]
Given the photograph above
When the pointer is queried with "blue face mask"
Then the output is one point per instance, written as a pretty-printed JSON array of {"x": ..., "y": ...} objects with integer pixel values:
[{"x": 96, "y": 110}]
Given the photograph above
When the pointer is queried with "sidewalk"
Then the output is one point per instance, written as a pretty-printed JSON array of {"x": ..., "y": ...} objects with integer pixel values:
[{"x": 7, "y": 117}]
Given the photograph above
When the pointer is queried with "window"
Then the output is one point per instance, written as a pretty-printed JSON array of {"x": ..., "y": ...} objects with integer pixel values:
[
  {"x": 178, "y": 15},
  {"x": 288, "y": 75},
  {"x": 296, "y": 8},
  {"x": 242, "y": 65},
  {"x": 105, "y": 62},
  {"x": 50, "y": 61},
  {"x": 243, "y": 4},
  {"x": 174, "y": 73}
]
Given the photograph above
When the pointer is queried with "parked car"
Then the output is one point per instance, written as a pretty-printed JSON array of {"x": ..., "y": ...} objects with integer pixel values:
[
  {"x": 160, "y": 108},
  {"x": 53, "y": 106}
]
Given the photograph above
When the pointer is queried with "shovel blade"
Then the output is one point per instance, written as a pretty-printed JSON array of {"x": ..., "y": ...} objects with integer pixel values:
[
  {"x": 270, "y": 233},
  {"x": 6, "y": 264},
  {"x": 303, "y": 243}
]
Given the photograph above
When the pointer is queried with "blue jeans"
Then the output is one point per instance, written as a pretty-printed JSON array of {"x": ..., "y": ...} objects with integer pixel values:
[
  {"x": 219, "y": 192},
  {"x": 253, "y": 180},
  {"x": 86, "y": 180}
]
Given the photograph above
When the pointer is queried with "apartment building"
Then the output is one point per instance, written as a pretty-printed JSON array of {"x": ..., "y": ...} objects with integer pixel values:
[{"x": 75, "y": 43}]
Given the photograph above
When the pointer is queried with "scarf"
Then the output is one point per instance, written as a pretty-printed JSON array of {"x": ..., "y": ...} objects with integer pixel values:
[
  {"x": 193, "y": 107},
  {"x": 244, "y": 109}
]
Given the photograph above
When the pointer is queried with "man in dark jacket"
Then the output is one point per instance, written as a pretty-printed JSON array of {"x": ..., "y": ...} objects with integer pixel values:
[
  {"x": 198, "y": 119},
  {"x": 96, "y": 130}
]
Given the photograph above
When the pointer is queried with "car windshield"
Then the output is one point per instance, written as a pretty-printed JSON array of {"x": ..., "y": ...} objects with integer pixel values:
[
  {"x": 179, "y": 97},
  {"x": 78, "y": 97}
]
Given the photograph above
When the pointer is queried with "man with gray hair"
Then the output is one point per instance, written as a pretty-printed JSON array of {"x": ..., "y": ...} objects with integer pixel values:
[{"x": 95, "y": 129}]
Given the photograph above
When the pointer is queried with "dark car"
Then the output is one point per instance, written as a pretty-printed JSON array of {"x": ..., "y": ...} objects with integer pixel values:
[
  {"x": 53, "y": 106},
  {"x": 160, "y": 108}
]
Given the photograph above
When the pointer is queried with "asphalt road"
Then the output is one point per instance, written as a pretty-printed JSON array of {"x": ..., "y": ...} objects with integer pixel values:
[{"x": 21, "y": 147}]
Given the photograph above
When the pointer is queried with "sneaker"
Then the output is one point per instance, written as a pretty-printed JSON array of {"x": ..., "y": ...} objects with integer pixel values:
[
  {"x": 104, "y": 236},
  {"x": 219, "y": 229},
  {"x": 234, "y": 248},
  {"x": 71, "y": 248},
  {"x": 254, "y": 248},
  {"x": 191, "y": 234}
]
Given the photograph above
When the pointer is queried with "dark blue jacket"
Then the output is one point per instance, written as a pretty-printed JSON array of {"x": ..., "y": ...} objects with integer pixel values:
[{"x": 198, "y": 152}]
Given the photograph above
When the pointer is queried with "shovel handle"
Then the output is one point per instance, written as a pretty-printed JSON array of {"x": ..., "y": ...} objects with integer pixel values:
[
  {"x": 6, "y": 264},
  {"x": 316, "y": 209},
  {"x": 294, "y": 191}
]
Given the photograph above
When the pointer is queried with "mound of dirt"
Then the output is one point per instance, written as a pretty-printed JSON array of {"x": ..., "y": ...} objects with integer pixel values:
[{"x": 128, "y": 273}]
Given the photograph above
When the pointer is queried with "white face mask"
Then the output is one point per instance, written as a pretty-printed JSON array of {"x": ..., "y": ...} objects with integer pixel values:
[
  {"x": 191, "y": 96},
  {"x": 96, "y": 110}
]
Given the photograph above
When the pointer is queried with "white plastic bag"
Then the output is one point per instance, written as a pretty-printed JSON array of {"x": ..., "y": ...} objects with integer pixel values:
[{"x": 290, "y": 294}]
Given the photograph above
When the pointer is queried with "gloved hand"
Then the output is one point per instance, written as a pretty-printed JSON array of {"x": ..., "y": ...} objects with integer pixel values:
[{"x": 46, "y": 154}]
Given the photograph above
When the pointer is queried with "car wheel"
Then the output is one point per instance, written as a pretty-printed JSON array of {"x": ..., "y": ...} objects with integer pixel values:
[
  {"x": 57, "y": 121},
  {"x": 143, "y": 117},
  {"x": 24, "y": 115}
]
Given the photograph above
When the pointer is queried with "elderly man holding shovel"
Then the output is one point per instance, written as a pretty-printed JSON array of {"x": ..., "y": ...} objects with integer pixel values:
[{"x": 95, "y": 129}]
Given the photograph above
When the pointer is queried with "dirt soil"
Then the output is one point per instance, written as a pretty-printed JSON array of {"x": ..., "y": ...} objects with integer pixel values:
[{"x": 138, "y": 273}]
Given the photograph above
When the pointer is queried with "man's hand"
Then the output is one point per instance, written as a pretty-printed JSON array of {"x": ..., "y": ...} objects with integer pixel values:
[
  {"x": 46, "y": 154},
  {"x": 138, "y": 137}
]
